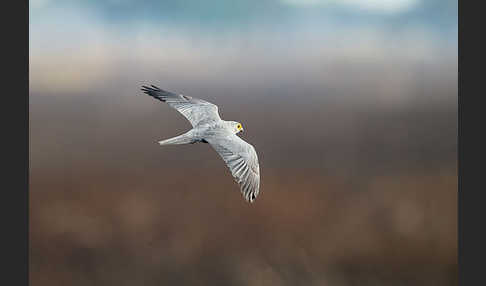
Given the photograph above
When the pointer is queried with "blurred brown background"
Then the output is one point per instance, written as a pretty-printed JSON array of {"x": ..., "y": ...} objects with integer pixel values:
[{"x": 354, "y": 122}]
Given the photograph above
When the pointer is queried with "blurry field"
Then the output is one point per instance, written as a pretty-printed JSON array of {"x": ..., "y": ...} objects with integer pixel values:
[
  {"x": 366, "y": 196},
  {"x": 305, "y": 228}
]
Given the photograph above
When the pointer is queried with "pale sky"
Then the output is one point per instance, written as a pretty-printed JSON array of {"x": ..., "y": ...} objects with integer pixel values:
[{"x": 80, "y": 45}]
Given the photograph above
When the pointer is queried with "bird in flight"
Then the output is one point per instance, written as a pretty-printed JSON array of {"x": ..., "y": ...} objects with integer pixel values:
[{"x": 207, "y": 127}]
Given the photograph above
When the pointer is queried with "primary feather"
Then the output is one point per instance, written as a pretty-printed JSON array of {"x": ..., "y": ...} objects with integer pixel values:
[{"x": 197, "y": 111}]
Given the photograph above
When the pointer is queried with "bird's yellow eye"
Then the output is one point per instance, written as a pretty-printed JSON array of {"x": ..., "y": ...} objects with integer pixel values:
[{"x": 238, "y": 126}]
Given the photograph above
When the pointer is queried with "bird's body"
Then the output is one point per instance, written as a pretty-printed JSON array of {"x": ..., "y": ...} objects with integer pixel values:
[{"x": 208, "y": 127}]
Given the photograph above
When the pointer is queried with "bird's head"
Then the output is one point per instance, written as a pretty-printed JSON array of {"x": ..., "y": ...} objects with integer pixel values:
[{"x": 237, "y": 127}]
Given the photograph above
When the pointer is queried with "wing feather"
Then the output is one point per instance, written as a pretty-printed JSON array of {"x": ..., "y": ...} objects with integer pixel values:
[
  {"x": 242, "y": 160},
  {"x": 197, "y": 111}
]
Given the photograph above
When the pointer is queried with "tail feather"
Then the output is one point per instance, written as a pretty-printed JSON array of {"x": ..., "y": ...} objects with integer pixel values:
[{"x": 181, "y": 139}]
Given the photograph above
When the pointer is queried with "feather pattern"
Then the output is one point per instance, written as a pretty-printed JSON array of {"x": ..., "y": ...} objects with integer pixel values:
[
  {"x": 242, "y": 160},
  {"x": 197, "y": 111}
]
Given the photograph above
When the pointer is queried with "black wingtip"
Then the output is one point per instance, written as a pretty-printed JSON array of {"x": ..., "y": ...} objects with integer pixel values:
[
  {"x": 151, "y": 88},
  {"x": 153, "y": 92}
]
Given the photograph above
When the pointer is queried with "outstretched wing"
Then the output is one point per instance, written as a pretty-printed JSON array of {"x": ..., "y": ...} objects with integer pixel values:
[
  {"x": 197, "y": 111},
  {"x": 242, "y": 160}
]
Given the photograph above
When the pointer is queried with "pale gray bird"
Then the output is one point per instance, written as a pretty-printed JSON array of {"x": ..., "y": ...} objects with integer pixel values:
[{"x": 208, "y": 127}]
